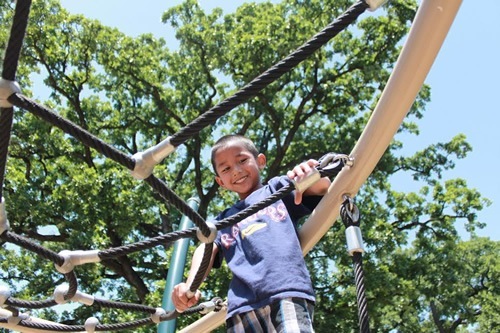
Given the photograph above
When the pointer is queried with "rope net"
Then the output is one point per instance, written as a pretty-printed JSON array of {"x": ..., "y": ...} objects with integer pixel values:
[{"x": 141, "y": 166}]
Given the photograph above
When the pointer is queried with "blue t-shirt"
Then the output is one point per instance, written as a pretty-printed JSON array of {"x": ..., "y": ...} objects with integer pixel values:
[{"x": 263, "y": 251}]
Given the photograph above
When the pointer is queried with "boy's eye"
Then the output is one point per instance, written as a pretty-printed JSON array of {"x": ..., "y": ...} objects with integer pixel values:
[
  {"x": 224, "y": 170},
  {"x": 243, "y": 160}
]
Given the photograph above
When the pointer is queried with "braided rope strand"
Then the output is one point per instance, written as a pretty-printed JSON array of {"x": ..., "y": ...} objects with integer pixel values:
[
  {"x": 363, "y": 317},
  {"x": 72, "y": 129},
  {"x": 17, "y": 32},
  {"x": 9, "y": 72},
  {"x": 6, "y": 118},
  {"x": 271, "y": 75}
]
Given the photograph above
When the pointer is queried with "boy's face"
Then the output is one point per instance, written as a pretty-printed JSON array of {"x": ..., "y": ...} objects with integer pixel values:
[{"x": 238, "y": 170}]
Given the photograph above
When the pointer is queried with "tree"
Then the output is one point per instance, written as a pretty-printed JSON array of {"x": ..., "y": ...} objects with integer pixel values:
[{"x": 134, "y": 92}]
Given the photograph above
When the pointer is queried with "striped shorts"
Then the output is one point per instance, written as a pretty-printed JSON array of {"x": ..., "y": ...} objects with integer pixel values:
[{"x": 290, "y": 315}]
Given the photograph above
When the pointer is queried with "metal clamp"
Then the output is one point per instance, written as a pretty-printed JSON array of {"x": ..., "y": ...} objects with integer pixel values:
[
  {"x": 146, "y": 161},
  {"x": 350, "y": 217},
  {"x": 7, "y": 88},
  {"x": 210, "y": 238},
  {"x": 375, "y": 4}
]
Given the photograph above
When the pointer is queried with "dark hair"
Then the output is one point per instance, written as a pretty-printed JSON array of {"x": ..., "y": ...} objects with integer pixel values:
[{"x": 230, "y": 139}]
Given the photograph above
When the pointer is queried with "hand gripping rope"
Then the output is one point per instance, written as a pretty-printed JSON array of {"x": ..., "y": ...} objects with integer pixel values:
[{"x": 351, "y": 219}]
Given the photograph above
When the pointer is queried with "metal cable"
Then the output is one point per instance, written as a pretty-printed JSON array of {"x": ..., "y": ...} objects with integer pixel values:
[
  {"x": 350, "y": 217},
  {"x": 271, "y": 75},
  {"x": 17, "y": 32}
]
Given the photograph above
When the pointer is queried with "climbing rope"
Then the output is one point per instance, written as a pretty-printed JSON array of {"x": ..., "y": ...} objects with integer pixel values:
[
  {"x": 351, "y": 219},
  {"x": 141, "y": 166}
]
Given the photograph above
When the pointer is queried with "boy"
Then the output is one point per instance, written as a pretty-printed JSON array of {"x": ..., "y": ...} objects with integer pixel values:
[{"x": 271, "y": 290}]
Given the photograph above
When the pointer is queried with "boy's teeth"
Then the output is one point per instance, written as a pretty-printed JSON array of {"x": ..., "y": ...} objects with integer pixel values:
[{"x": 240, "y": 180}]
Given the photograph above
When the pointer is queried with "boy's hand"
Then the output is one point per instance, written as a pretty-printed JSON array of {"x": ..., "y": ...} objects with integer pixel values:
[
  {"x": 180, "y": 297},
  {"x": 300, "y": 172}
]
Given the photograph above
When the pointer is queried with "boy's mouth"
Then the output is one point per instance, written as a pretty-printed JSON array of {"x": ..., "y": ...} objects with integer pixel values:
[{"x": 240, "y": 180}]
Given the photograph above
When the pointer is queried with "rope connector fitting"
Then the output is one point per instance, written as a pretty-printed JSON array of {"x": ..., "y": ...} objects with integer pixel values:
[
  {"x": 354, "y": 240},
  {"x": 213, "y": 305},
  {"x": 15, "y": 320},
  {"x": 90, "y": 324},
  {"x": 210, "y": 238},
  {"x": 7, "y": 88},
  {"x": 4, "y": 294},
  {"x": 375, "y": 4},
  {"x": 4, "y": 223},
  {"x": 75, "y": 258},
  {"x": 156, "y": 317},
  {"x": 146, "y": 161},
  {"x": 62, "y": 290}
]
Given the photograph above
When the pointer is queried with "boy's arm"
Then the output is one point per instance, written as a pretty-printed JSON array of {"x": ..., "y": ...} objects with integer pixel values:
[
  {"x": 182, "y": 298},
  {"x": 300, "y": 172}
]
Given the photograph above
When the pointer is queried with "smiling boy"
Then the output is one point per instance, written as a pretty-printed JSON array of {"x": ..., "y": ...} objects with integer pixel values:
[{"x": 271, "y": 289}]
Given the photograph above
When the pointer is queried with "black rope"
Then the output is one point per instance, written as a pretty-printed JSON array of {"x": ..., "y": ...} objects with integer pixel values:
[
  {"x": 191, "y": 232},
  {"x": 109, "y": 151},
  {"x": 364, "y": 325},
  {"x": 19, "y": 303},
  {"x": 72, "y": 129},
  {"x": 333, "y": 168},
  {"x": 147, "y": 244},
  {"x": 11, "y": 60},
  {"x": 6, "y": 117},
  {"x": 17, "y": 32},
  {"x": 329, "y": 170},
  {"x": 124, "y": 306},
  {"x": 202, "y": 270},
  {"x": 117, "y": 326},
  {"x": 73, "y": 287},
  {"x": 271, "y": 75},
  {"x": 161, "y": 188},
  {"x": 351, "y": 219},
  {"x": 27, "y": 244},
  {"x": 80, "y": 328}
]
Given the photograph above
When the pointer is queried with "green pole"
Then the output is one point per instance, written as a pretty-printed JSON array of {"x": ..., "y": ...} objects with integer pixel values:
[{"x": 176, "y": 269}]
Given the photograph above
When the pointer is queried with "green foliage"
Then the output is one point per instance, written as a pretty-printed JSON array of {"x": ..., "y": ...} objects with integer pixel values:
[{"x": 134, "y": 92}]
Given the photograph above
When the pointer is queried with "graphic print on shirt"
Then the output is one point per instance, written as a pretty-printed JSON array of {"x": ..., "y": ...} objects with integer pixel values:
[{"x": 254, "y": 223}]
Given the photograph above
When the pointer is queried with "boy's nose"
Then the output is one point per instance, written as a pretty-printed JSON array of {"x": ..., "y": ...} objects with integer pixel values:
[{"x": 236, "y": 169}]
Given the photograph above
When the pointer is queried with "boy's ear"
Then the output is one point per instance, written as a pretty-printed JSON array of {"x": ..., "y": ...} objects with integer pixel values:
[
  {"x": 219, "y": 181},
  {"x": 261, "y": 161}
]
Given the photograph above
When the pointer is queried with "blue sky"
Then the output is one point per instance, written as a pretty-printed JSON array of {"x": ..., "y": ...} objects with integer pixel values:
[{"x": 464, "y": 81}]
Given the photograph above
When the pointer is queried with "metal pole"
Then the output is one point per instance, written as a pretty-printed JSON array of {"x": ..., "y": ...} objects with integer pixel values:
[{"x": 176, "y": 269}]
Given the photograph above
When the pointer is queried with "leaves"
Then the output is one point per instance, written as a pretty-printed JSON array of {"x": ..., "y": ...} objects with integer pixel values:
[{"x": 133, "y": 92}]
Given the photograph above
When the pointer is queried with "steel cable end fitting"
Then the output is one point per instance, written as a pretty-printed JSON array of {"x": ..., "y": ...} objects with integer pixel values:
[
  {"x": 90, "y": 324},
  {"x": 4, "y": 294},
  {"x": 76, "y": 258},
  {"x": 210, "y": 238},
  {"x": 15, "y": 320},
  {"x": 156, "y": 317},
  {"x": 62, "y": 290},
  {"x": 354, "y": 240},
  {"x": 375, "y": 4},
  {"x": 7, "y": 88},
  {"x": 146, "y": 161},
  {"x": 207, "y": 307}
]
